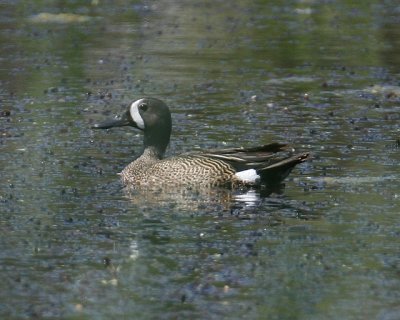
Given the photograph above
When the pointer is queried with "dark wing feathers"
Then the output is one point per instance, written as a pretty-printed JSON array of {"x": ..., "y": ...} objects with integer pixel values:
[
  {"x": 264, "y": 149},
  {"x": 246, "y": 158},
  {"x": 264, "y": 159}
]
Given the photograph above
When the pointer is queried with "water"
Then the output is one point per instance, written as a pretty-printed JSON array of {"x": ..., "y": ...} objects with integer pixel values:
[{"x": 322, "y": 76}]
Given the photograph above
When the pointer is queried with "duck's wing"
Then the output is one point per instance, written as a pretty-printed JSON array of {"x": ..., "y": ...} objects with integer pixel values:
[
  {"x": 243, "y": 158},
  {"x": 273, "y": 162}
]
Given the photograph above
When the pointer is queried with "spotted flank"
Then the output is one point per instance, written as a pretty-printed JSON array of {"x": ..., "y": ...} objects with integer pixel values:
[{"x": 261, "y": 165}]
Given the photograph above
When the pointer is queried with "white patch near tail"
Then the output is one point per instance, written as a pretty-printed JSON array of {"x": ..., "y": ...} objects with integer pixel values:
[{"x": 248, "y": 176}]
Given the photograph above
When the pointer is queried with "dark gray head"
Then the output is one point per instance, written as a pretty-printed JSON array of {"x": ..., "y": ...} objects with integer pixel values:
[{"x": 150, "y": 115}]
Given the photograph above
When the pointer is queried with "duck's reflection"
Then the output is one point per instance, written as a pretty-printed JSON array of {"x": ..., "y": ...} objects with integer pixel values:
[{"x": 201, "y": 199}]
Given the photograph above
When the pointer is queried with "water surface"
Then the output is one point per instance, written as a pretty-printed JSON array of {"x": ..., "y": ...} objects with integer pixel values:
[{"x": 322, "y": 76}]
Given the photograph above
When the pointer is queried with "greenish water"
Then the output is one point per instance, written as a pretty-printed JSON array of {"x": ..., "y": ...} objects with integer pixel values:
[{"x": 320, "y": 75}]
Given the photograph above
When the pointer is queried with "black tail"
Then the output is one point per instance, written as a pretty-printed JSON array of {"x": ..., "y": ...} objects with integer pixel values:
[{"x": 276, "y": 172}]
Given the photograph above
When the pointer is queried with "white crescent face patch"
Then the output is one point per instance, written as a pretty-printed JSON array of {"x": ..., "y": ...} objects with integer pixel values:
[{"x": 134, "y": 111}]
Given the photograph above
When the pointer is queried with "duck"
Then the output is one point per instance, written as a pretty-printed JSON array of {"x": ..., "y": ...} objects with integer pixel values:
[{"x": 227, "y": 168}]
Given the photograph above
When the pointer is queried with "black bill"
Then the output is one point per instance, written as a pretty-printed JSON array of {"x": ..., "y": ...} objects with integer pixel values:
[{"x": 119, "y": 121}]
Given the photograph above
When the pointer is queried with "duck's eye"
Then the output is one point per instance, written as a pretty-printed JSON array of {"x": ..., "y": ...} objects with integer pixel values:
[{"x": 143, "y": 106}]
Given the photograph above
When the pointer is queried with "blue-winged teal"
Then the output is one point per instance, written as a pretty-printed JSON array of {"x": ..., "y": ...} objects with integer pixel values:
[{"x": 211, "y": 168}]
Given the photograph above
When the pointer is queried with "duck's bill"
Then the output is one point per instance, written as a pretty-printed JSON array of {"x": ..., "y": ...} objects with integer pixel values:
[{"x": 119, "y": 121}]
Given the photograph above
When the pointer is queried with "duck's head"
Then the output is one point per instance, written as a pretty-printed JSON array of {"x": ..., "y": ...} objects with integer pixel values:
[{"x": 150, "y": 115}]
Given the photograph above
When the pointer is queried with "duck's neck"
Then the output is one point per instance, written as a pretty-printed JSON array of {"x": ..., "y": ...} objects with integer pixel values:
[
  {"x": 156, "y": 143},
  {"x": 151, "y": 153}
]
